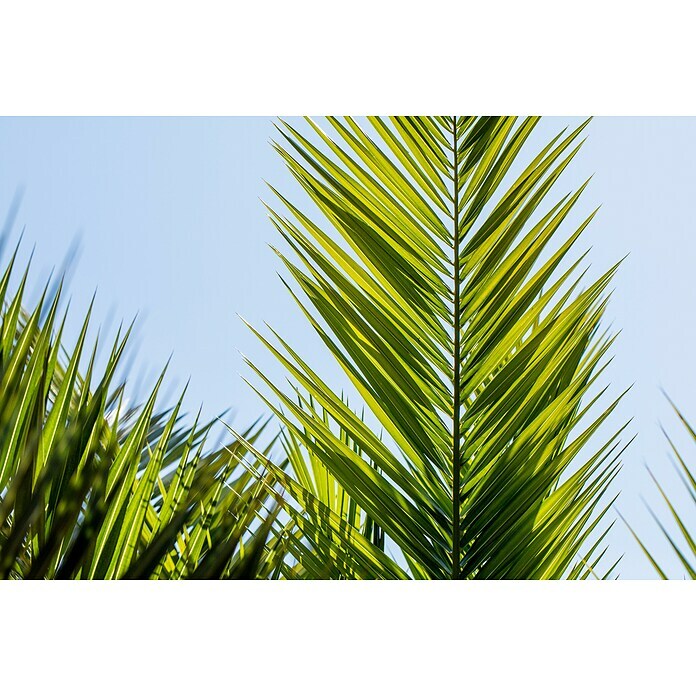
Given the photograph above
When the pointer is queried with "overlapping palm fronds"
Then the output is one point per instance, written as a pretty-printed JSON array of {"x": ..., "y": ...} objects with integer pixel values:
[
  {"x": 90, "y": 490},
  {"x": 434, "y": 280},
  {"x": 328, "y": 513}
]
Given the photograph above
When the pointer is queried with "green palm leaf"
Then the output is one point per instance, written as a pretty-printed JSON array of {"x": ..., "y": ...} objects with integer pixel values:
[
  {"x": 682, "y": 540},
  {"x": 90, "y": 491},
  {"x": 434, "y": 283}
]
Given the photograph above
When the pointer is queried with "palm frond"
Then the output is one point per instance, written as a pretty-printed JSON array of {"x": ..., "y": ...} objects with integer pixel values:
[
  {"x": 681, "y": 517},
  {"x": 433, "y": 281},
  {"x": 90, "y": 490}
]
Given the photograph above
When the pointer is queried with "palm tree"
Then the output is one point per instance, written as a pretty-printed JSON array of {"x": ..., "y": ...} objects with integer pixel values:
[
  {"x": 90, "y": 489},
  {"x": 434, "y": 280}
]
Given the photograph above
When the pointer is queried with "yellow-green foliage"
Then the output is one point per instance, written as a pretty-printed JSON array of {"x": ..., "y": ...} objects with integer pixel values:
[{"x": 90, "y": 491}]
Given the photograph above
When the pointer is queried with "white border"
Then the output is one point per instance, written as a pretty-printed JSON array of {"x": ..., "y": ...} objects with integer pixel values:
[
  {"x": 270, "y": 57},
  {"x": 335, "y": 638}
]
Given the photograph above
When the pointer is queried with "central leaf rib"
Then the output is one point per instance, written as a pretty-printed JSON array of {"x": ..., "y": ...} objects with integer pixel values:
[{"x": 456, "y": 454}]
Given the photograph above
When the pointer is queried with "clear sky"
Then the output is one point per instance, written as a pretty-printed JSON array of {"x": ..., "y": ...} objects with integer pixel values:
[{"x": 170, "y": 225}]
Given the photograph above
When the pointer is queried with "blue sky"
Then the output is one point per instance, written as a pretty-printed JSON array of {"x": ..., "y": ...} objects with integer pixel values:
[{"x": 170, "y": 224}]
